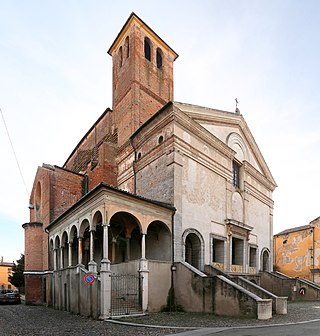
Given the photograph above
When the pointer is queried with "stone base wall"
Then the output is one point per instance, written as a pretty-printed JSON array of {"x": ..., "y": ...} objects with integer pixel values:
[
  {"x": 33, "y": 289},
  {"x": 70, "y": 292}
]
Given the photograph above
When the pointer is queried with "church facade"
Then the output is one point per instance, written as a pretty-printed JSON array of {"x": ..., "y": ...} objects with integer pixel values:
[{"x": 153, "y": 184}]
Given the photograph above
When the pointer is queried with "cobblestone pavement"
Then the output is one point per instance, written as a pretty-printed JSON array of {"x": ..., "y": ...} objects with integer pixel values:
[
  {"x": 297, "y": 312},
  {"x": 16, "y": 320},
  {"x": 22, "y": 320}
]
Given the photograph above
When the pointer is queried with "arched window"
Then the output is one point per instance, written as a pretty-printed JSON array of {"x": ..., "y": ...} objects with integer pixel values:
[
  {"x": 120, "y": 56},
  {"x": 126, "y": 47},
  {"x": 147, "y": 49},
  {"x": 38, "y": 202},
  {"x": 159, "y": 58},
  {"x": 265, "y": 258},
  {"x": 235, "y": 174}
]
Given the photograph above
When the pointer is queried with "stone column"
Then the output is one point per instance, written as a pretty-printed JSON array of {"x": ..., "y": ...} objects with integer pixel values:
[
  {"x": 92, "y": 265},
  {"x": 144, "y": 274},
  {"x": 80, "y": 251},
  {"x": 61, "y": 257},
  {"x": 91, "y": 245},
  {"x": 70, "y": 255},
  {"x": 245, "y": 265},
  {"x": 105, "y": 278},
  {"x": 229, "y": 269},
  {"x": 105, "y": 242},
  {"x": 55, "y": 259},
  {"x": 143, "y": 246}
]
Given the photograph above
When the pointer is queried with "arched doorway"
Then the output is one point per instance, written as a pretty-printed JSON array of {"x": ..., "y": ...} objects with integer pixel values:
[
  {"x": 193, "y": 250},
  {"x": 158, "y": 242},
  {"x": 265, "y": 260}
]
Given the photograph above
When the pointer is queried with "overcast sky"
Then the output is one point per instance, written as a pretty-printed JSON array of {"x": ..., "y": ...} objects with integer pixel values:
[{"x": 55, "y": 82}]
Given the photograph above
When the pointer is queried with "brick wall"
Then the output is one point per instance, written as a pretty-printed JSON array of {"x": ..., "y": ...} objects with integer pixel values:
[
  {"x": 54, "y": 191},
  {"x": 95, "y": 154},
  {"x": 33, "y": 284},
  {"x": 106, "y": 169},
  {"x": 140, "y": 88},
  {"x": 33, "y": 239},
  {"x": 66, "y": 188}
]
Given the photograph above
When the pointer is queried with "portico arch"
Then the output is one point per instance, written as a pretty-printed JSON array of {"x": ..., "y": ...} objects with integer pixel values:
[
  {"x": 194, "y": 247},
  {"x": 65, "y": 249},
  {"x": 73, "y": 240},
  {"x": 124, "y": 237},
  {"x": 97, "y": 237},
  {"x": 56, "y": 252},
  {"x": 84, "y": 242},
  {"x": 158, "y": 242},
  {"x": 51, "y": 254}
]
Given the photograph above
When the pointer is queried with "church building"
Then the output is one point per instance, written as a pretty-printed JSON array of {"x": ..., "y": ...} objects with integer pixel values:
[{"x": 154, "y": 189}]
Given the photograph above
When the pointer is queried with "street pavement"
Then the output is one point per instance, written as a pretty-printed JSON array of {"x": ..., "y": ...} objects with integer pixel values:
[
  {"x": 303, "y": 318},
  {"x": 295, "y": 329},
  {"x": 22, "y": 320}
]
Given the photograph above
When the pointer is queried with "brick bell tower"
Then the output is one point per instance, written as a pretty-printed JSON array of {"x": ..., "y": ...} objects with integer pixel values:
[{"x": 142, "y": 76}]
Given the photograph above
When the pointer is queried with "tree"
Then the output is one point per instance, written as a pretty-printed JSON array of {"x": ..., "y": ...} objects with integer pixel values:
[{"x": 17, "y": 278}]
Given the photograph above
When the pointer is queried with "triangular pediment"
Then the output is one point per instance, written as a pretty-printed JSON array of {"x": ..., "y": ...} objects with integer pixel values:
[{"x": 232, "y": 130}]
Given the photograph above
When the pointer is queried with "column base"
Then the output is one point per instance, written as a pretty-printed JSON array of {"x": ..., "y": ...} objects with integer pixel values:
[{"x": 92, "y": 266}]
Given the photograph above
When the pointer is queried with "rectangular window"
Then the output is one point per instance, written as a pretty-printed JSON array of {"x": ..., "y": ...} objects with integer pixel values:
[
  {"x": 218, "y": 251},
  {"x": 253, "y": 257},
  {"x": 235, "y": 174},
  {"x": 237, "y": 251}
]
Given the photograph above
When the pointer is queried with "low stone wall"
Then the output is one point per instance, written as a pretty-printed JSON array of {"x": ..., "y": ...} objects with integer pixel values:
[
  {"x": 196, "y": 292},
  {"x": 279, "y": 304},
  {"x": 294, "y": 288},
  {"x": 130, "y": 267},
  {"x": 158, "y": 289},
  {"x": 71, "y": 293},
  {"x": 233, "y": 300},
  {"x": 193, "y": 289}
]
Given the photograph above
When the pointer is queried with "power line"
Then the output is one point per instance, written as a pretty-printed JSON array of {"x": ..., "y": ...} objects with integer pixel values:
[{"x": 14, "y": 153}]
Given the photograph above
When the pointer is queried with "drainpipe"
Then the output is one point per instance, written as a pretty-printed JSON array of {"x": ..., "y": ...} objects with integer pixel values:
[
  {"x": 313, "y": 253},
  {"x": 48, "y": 254},
  {"x": 42, "y": 280},
  {"x": 134, "y": 172},
  {"x": 173, "y": 267}
]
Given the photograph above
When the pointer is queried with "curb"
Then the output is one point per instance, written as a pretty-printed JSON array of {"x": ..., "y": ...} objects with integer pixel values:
[{"x": 198, "y": 331}]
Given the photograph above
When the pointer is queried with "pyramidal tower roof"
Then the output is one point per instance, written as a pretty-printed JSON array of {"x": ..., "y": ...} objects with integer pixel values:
[{"x": 135, "y": 20}]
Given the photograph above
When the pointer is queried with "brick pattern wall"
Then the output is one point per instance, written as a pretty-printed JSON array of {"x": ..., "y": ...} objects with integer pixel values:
[
  {"x": 34, "y": 234},
  {"x": 140, "y": 88},
  {"x": 89, "y": 152},
  {"x": 54, "y": 191},
  {"x": 106, "y": 168},
  {"x": 33, "y": 285},
  {"x": 66, "y": 189}
]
